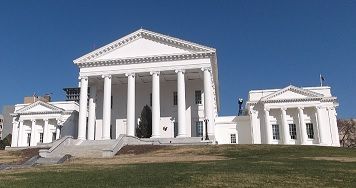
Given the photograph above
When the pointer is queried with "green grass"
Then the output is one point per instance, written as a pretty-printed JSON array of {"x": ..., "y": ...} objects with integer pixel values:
[{"x": 247, "y": 166}]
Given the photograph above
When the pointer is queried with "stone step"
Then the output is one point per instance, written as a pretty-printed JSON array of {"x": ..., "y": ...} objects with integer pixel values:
[{"x": 97, "y": 142}]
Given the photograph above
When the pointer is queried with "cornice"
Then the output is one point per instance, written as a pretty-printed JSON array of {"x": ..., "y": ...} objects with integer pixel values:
[
  {"x": 147, "y": 59},
  {"x": 293, "y": 100},
  {"x": 47, "y": 105}
]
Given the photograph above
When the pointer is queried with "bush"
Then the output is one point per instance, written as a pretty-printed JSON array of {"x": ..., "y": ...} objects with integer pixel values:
[
  {"x": 5, "y": 142},
  {"x": 144, "y": 129}
]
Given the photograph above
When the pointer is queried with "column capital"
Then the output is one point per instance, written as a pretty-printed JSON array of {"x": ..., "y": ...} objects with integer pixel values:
[
  {"x": 83, "y": 77},
  {"x": 45, "y": 119},
  {"x": 330, "y": 108},
  {"x": 33, "y": 120},
  {"x": 284, "y": 109},
  {"x": 253, "y": 112},
  {"x": 206, "y": 69},
  {"x": 130, "y": 74},
  {"x": 266, "y": 109},
  {"x": 319, "y": 107},
  {"x": 180, "y": 70},
  {"x": 106, "y": 76},
  {"x": 300, "y": 108},
  {"x": 21, "y": 120},
  {"x": 155, "y": 72},
  {"x": 59, "y": 121}
]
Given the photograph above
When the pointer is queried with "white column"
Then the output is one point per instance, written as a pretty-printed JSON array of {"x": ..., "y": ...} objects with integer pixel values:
[
  {"x": 302, "y": 127},
  {"x": 106, "y": 107},
  {"x": 285, "y": 126},
  {"x": 45, "y": 132},
  {"x": 130, "y": 128},
  {"x": 320, "y": 125},
  {"x": 83, "y": 109},
  {"x": 59, "y": 127},
  {"x": 91, "y": 114},
  {"x": 182, "y": 129},
  {"x": 15, "y": 131},
  {"x": 208, "y": 101},
  {"x": 253, "y": 118},
  {"x": 269, "y": 136},
  {"x": 333, "y": 127},
  {"x": 58, "y": 132},
  {"x": 33, "y": 141},
  {"x": 156, "y": 111},
  {"x": 20, "y": 135}
]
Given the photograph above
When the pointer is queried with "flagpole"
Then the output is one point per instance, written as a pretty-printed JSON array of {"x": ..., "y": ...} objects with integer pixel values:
[{"x": 321, "y": 81}]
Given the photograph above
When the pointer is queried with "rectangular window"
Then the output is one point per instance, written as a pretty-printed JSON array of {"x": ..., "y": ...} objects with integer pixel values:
[
  {"x": 310, "y": 130},
  {"x": 275, "y": 131},
  {"x": 293, "y": 131},
  {"x": 199, "y": 128},
  {"x": 54, "y": 136},
  {"x": 233, "y": 138},
  {"x": 28, "y": 139},
  {"x": 41, "y": 137},
  {"x": 175, "y": 98},
  {"x": 198, "y": 97},
  {"x": 150, "y": 99},
  {"x": 175, "y": 124}
]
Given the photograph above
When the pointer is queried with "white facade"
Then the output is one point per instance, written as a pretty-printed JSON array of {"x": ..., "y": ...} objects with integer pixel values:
[
  {"x": 42, "y": 122},
  {"x": 179, "y": 81},
  {"x": 292, "y": 115},
  {"x": 176, "y": 78}
]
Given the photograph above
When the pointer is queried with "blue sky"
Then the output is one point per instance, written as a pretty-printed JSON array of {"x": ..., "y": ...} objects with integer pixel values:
[{"x": 260, "y": 44}]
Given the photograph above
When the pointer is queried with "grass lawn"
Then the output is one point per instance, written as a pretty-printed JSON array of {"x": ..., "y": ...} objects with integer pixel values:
[{"x": 200, "y": 166}]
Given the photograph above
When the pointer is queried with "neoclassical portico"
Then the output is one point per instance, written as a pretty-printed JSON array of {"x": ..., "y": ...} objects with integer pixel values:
[
  {"x": 179, "y": 66},
  {"x": 294, "y": 115},
  {"x": 42, "y": 122},
  {"x": 130, "y": 106}
]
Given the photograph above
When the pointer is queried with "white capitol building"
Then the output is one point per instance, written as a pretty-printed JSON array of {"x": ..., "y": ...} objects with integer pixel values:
[{"x": 179, "y": 81}]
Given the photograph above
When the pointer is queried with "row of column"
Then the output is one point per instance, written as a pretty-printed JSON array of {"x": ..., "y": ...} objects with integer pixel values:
[
  {"x": 182, "y": 129},
  {"x": 18, "y": 132},
  {"x": 301, "y": 130}
]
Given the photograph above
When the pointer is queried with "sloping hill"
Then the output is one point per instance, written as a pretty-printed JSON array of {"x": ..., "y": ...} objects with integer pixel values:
[{"x": 200, "y": 166}]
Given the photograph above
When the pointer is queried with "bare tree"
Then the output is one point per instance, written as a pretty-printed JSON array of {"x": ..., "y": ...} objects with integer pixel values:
[{"x": 347, "y": 132}]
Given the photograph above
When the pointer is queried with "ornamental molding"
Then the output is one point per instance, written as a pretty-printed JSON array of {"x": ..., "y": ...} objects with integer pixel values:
[
  {"x": 54, "y": 109},
  {"x": 309, "y": 94},
  {"x": 142, "y": 33},
  {"x": 155, "y": 72},
  {"x": 146, "y": 59},
  {"x": 292, "y": 100}
]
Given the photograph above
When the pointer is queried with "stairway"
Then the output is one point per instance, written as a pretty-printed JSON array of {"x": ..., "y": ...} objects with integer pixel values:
[{"x": 106, "y": 148}]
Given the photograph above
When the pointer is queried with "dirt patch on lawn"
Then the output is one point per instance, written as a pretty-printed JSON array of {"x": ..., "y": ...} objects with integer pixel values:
[
  {"x": 153, "y": 154},
  {"x": 135, "y": 159},
  {"x": 139, "y": 149},
  {"x": 340, "y": 159},
  {"x": 18, "y": 157}
]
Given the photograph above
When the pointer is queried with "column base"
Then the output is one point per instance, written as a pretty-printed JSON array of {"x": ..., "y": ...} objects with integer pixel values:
[
  {"x": 106, "y": 138},
  {"x": 182, "y": 136},
  {"x": 211, "y": 137},
  {"x": 155, "y": 136},
  {"x": 81, "y": 138}
]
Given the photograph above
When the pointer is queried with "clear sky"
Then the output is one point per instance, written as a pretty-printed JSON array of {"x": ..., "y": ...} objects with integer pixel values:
[{"x": 260, "y": 44}]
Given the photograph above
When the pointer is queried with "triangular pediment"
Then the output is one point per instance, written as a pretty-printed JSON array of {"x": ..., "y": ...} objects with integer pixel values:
[
  {"x": 143, "y": 43},
  {"x": 143, "y": 48},
  {"x": 38, "y": 107},
  {"x": 291, "y": 93}
]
